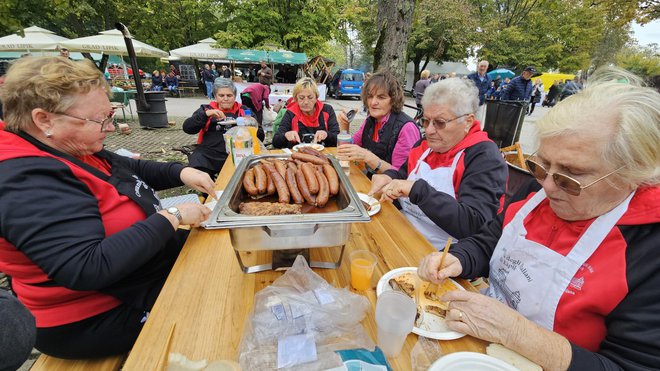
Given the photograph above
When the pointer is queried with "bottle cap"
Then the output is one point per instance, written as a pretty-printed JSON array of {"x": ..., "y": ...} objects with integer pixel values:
[{"x": 248, "y": 112}]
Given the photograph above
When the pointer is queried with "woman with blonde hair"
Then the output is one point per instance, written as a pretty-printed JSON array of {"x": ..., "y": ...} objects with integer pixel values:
[
  {"x": 573, "y": 259},
  {"x": 307, "y": 119},
  {"x": 82, "y": 234},
  {"x": 421, "y": 85}
]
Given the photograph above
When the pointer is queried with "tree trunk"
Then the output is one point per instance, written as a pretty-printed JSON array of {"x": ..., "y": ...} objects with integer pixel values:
[
  {"x": 416, "y": 62},
  {"x": 395, "y": 20}
]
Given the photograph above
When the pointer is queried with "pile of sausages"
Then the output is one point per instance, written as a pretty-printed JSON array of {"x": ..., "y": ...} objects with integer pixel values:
[{"x": 307, "y": 177}]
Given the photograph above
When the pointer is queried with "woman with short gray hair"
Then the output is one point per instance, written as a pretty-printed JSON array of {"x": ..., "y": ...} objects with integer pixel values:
[
  {"x": 453, "y": 180},
  {"x": 210, "y": 154},
  {"x": 573, "y": 258}
]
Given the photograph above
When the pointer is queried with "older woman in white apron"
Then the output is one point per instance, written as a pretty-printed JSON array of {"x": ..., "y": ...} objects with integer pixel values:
[
  {"x": 452, "y": 181},
  {"x": 573, "y": 261}
]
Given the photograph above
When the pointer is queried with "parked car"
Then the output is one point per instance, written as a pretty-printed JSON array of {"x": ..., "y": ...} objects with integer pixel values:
[
  {"x": 118, "y": 71},
  {"x": 346, "y": 83}
]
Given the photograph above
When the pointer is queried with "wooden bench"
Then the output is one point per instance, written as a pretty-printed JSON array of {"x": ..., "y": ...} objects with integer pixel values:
[
  {"x": 48, "y": 363},
  {"x": 191, "y": 89}
]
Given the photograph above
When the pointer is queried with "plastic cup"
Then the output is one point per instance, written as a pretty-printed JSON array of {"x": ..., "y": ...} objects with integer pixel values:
[
  {"x": 363, "y": 263},
  {"x": 395, "y": 315}
]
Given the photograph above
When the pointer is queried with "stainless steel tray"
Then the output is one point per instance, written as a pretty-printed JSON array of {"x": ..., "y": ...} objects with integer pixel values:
[{"x": 283, "y": 232}]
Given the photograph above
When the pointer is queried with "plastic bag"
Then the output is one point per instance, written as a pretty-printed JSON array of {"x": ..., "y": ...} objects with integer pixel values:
[
  {"x": 424, "y": 353},
  {"x": 268, "y": 116},
  {"x": 297, "y": 307}
]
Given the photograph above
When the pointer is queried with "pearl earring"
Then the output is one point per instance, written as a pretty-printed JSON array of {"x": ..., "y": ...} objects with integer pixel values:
[{"x": 48, "y": 134}]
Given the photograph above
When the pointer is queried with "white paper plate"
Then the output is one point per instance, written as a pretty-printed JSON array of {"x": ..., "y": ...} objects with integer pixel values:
[
  {"x": 370, "y": 200},
  {"x": 316, "y": 146},
  {"x": 211, "y": 205},
  {"x": 433, "y": 326},
  {"x": 470, "y": 361}
]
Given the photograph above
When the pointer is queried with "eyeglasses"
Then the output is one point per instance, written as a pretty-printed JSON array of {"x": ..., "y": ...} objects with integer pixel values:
[
  {"x": 439, "y": 124},
  {"x": 564, "y": 182},
  {"x": 104, "y": 123}
]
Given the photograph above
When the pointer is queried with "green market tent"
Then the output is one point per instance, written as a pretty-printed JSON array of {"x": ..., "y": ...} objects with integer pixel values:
[
  {"x": 287, "y": 58},
  {"x": 246, "y": 55}
]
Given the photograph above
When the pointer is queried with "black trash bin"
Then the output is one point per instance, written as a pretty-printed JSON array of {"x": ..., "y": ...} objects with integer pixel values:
[
  {"x": 156, "y": 117},
  {"x": 504, "y": 120}
]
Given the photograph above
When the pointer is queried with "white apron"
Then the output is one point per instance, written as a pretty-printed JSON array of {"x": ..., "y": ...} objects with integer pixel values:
[
  {"x": 530, "y": 277},
  {"x": 442, "y": 180}
]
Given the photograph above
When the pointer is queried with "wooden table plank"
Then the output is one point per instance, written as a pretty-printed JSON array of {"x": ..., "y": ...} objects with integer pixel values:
[{"x": 209, "y": 297}]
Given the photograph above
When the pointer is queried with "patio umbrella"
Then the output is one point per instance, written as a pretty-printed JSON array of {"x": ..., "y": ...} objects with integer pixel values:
[
  {"x": 35, "y": 39},
  {"x": 204, "y": 49},
  {"x": 111, "y": 42},
  {"x": 502, "y": 72}
]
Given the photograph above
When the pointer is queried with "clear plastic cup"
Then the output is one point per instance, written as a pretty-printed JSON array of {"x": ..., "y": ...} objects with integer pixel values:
[
  {"x": 395, "y": 315},
  {"x": 363, "y": 263}
]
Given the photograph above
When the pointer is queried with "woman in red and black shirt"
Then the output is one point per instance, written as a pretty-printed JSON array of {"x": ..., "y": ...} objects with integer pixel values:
[
  {"x": 573, "y": 260},
  {"x": 211, "y": 154},
  {"x": 306, "y": 116}
]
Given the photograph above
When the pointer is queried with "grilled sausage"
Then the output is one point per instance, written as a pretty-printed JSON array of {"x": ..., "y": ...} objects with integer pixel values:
[
  {"x": 260, "y": 179},
  {"x": 304, "y": 190},
  {"x": 307, "y": 158},
  {"x": 279, "y": 165},
  {"x": 282, "y": 189},
  {"x": 324, "y": 189},
  {"x": 333, "y": 178},
  {"x": 313, "y": 184},
  {"x": 315, "y": 153},
  {"x": 291, "y": 164},
  {"x": 270, "y": 190},
  {"x": 293, "y": 186},
  {"x": 248, "y": 183}
]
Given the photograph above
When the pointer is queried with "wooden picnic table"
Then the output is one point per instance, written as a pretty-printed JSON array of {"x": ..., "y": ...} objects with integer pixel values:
[{"x": 209, "y": 298}]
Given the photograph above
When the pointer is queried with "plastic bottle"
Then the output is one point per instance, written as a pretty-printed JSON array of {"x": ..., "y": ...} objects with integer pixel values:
[
  {"x": 253, "y": 126},
  {"x": 344, "y": 138},
  {"x": 241, "y": 143}
]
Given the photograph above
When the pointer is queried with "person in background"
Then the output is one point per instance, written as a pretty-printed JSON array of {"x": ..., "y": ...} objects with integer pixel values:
[
  {"x": 573, "y": 258},
  {"x": 207, "y": 77},
  {"x": 175, "y": 71},
  {"x": 551, "y": 98},
  {"x": 19, "y": 332},
  {"x": 88, "y": 263},
  {"x": 490, "y": 93},
  {"x": 435, "y": 78},
  {"x": 156, "y": 81},
  {"x": 571, "y": 87},
  {"x": 452, "y": 181},
  {"x": 172, "y": 84},
  {"x": 520, "y": 87},
  {"x": 226, "y": 73},
  {"x": 210, "y": 154},
  {"x": 306, "y": 115},
  {"x": 64, "y": 52},
  {"x": 255, "y": 97},
  {"x": 537, "y": 93},
  {"x": 265, "y": 74},
  {"x": 214, "y": 71},
  {"x": 483, "y": 82},
  {"x": 387, "y": 134},
  {"x": 420, "y": 86}
]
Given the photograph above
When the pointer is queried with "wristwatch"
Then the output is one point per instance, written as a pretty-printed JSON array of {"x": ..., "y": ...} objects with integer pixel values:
[
  {"x": 378, "y": 166},
  {"x": 174, "y": 211}
]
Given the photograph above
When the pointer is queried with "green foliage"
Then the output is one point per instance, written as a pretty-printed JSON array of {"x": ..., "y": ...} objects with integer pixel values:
[{"x": 642, "y": 61}]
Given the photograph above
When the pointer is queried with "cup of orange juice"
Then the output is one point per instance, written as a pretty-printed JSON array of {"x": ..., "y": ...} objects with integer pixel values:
[{"x": 363, "y": 264}]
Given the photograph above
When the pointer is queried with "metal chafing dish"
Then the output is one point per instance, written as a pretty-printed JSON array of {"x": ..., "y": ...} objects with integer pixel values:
[{"x": 327, "y": 227}]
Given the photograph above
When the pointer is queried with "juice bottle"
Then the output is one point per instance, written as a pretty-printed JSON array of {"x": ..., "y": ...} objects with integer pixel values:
[
  {"x": 253, "y": 126},
  {"x": 344, "y": 138},
  {"x": 241, "y": 143}
]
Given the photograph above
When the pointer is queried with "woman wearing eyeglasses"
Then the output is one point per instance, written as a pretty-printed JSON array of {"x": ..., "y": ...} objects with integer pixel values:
[
  {"x": 307, "y": 119},
  {"x": 452, "y": 181},
  {"x": 573, "y": 261},
  {"x": 82, "y": 232}
]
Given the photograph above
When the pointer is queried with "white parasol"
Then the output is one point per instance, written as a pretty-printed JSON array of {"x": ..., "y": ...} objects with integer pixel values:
[
  {"x": 202, "y": 50},
  {"x": 111, "y": 42},
  {"x": 34, "y": 39}
]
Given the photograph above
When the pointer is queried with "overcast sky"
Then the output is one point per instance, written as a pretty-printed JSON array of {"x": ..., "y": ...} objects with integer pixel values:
[{"x": 648, "y": 33}]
